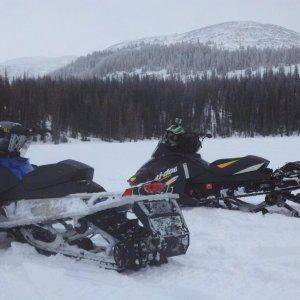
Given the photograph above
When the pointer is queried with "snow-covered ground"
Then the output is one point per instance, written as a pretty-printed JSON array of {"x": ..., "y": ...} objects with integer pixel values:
[{"x": 233, "y": 255}]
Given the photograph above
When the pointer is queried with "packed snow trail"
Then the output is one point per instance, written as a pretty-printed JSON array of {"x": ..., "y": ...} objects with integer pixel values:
[{"x": 233, "y": 255}]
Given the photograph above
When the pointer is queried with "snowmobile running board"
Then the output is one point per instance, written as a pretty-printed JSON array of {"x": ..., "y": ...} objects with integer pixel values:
[
  {"x": 27, "y": 212},
  {"x": 163, "y": 232}
]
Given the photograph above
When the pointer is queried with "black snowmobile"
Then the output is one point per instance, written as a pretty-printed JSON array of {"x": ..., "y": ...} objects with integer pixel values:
[
  {"x": 221, "y": 183},
  {"x": 58, "y": 208}
]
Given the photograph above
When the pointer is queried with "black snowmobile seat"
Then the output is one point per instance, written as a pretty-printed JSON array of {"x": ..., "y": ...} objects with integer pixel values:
[
  {"x": 50, "y": 181},
  {"x": 54, "y": 174},
  {"x": 238, "y": 165}
]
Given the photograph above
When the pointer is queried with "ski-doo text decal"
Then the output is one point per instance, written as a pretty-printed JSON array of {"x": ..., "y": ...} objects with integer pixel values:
[{"x": 167, "y": 173}]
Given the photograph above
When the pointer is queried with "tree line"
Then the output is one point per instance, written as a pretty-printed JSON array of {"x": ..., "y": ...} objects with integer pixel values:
[
  {"x": 181, "y": 59},
  {"x": 138, "y": 108}
]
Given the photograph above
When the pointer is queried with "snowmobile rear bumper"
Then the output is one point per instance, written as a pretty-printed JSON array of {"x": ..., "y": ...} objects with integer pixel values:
[{"x": 167, "y": 226}]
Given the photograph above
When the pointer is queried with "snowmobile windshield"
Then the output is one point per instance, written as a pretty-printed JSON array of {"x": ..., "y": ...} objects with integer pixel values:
[
  {"x": 187, "y": 143},
  {"x": 162, "y": 149},
  {"x": 14, "y": 143},
  {"x": 18, "y": 143}
]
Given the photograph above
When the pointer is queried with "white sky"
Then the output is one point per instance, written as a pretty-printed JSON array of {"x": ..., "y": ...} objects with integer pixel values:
[{"x": 78, "y": 27}]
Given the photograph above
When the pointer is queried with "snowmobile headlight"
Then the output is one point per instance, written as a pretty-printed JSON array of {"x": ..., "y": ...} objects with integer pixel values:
[{"x": 128, "y": 192}]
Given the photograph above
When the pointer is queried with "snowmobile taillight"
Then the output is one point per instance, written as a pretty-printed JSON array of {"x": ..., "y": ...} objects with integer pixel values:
[
  {"x": 154, "y": 187},
  {"x": 208, "y": 186},
  {"x": 128, "y": 192}
]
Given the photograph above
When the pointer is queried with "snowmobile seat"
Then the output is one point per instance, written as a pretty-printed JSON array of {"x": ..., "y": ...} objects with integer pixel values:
[
  {"x": 54, "y": 174},
  {"x": 238, "y": 165},
  {"x": 51, "y": 181}
]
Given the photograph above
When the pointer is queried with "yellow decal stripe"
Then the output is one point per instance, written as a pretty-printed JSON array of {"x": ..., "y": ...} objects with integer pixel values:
[
  {"x": 132, "y": 178},
  {"x": 226, "y": 164},
  {"x": 171, "y": 180}
]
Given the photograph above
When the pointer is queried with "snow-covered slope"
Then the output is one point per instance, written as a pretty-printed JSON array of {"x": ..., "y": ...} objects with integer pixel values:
[
  {"x": 229, "y": 35},
  {"x": 205, "y": 50},
  {"x": 33, "y": 66},
  {"x": 233, "y": 255},
  {"x": 164, "y": 74}
]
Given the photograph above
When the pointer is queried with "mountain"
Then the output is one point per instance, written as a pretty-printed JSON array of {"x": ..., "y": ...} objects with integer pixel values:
[
  {"x": 33, "y": 66},
  {"x": 219, "y": 49},
  {"x": 229, "y": 35}
]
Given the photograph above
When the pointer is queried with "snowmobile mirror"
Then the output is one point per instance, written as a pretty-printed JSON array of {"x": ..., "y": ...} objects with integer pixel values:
[{"x": 204, "y": 136}]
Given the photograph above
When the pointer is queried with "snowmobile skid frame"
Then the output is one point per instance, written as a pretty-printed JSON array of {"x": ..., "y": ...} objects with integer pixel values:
[
  {"x": 277, "y": 198},
  {"x": 277, "y": 192},
  {"x": 137, "y": 230}
]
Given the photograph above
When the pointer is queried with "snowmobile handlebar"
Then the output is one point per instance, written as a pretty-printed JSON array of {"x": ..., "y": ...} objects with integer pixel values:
[
  {"x": 25, "y": 131},
  {"x": 203, "y": 136}
]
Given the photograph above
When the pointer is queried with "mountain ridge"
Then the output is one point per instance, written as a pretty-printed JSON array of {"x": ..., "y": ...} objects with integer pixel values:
[
  {"x": 227, "y": 35},
  {"x": 34, "y": 66},
  {"x": 217, "y": 49}
]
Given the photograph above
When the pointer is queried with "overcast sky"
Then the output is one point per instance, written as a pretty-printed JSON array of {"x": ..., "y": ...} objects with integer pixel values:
[{"x": 78, "y": 27}]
